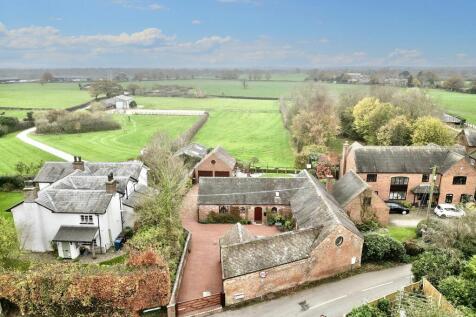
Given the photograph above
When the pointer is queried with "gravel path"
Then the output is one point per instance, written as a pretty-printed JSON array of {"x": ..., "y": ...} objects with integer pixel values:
[{"x": 24, "y": 136}]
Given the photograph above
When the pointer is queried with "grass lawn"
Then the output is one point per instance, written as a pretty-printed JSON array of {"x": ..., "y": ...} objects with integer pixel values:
[
  {"x": 456, "y": 103},
  {"x": 13, "y": 150},
  {"x": 118, "y": 145},
  {"x": 402, "y": 234},
  {"x": 35, "y": 95},
  {"x": 8, "y": 199}
]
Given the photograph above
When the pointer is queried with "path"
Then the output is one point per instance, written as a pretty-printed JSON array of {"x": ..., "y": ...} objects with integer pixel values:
[
  {"x": 160, "y": 112},
  {"x": 23, "y": 136},
  {"x": 332, "y": 299},
  {"x": 203, "y": 271}
]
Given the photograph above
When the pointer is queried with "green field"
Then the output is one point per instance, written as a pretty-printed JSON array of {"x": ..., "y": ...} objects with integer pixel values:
[
  {"x": 118, "y": 145},
  {"x": 456, "y": 103},
  {"x": 13, "y": 150},
  {"x": 8, "y": 199},
  {"x": 20, "y": 114},
  {"x": 245, "y": 128},
  {"x": 35, "y": 95}
]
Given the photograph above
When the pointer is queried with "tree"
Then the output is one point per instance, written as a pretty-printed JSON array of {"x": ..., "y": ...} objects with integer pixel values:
[
  {"x": 413, "y": 82},
  {"x": 307, "y": 154},
  {"x": 414, "y": 103},
  {"x": 454, "y": 83},
  {"x": 427, "y": 78},
  {"x": 132, "y": 88},
  {"x": 369, "y": 115},
  {"x": 105, "y": 87},
  {"x": 398, "y": 131},
  {"x": 437, "y": 265},
  {"x": 46, "y": 78},
  {"x": 431, "y": 130}
]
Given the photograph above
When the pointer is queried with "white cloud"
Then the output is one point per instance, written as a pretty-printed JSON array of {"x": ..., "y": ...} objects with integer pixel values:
[
  {"x": 405, "y": 57},
  {"x": 156, "y": 7},
  {"x": 323, "y": 40},
  {"x": 196, "y": 22}
]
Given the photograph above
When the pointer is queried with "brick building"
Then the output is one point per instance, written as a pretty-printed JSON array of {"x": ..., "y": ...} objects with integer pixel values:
[
  {"x": 467, "y": 138},
  {"x": 325, "y": 242},
  {"x": 359, "y": 200},
  {"x": 217, "y": 163},
  {"x": 403, "y": 172}
]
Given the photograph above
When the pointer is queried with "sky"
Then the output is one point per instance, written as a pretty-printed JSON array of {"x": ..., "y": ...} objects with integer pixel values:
[{"x": 237, "y": 33}]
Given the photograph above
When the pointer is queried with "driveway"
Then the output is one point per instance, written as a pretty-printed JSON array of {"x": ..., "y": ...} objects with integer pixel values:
[
  {"x": 202, "y": 270},
  {"x": 331, "y": 299},
  {"x": 23, "y": 136},
  {"x": 410, "y": 220}
]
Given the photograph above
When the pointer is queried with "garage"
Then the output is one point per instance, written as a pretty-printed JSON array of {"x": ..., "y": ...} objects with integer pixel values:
[
  {"x": 205, "y": 174},
  {"x": 222, "y": 174}
]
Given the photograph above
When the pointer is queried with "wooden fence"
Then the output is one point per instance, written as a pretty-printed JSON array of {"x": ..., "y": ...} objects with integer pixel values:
[
  {"x": 199, "y": 304},
  {"x": 430, "y": 291}
]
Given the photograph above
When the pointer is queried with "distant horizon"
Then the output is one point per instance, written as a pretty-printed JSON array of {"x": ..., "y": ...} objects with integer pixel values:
[{"x": 231, "y": 34}]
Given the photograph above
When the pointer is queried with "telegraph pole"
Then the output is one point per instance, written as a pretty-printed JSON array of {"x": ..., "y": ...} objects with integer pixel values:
[{"x": 432, "y": 189}]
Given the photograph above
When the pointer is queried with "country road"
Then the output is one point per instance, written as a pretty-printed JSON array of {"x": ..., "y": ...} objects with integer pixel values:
[
  {"x": 331, "y": 299},
  {"x": 23, "y": 136}
]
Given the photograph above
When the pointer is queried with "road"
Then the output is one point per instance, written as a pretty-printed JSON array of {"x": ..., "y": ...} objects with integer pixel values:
[
  {"x": 23, "y": 136},
  {"x": 331, "y": 299}
]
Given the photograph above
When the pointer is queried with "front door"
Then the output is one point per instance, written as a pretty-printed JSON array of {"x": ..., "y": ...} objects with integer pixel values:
[
  {"x": 66, "y": 250},
  {"x": 258, "y": 214}
]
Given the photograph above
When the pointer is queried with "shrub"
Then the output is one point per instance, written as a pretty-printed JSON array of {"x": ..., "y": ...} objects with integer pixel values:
[
  {"x": 368, "y": 226},
  {"x": 133, "y": 104},
  {"x": 229, "y": 217},
  {"x": 437, "y": 264},
  {"x": 413, "y": 248},
  {"x": 10, "y": 183},
  {"x": 378, "y": 247},
  {"x": 61, "y": 121},
  {"x": 12, "y": 124},
  {"x": 456, "y": 289},
  {"x": 366, "y": 311}
]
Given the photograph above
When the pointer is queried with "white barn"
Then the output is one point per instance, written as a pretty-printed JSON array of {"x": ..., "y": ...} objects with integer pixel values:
[
  {"x": 123, "y": 102},
  {"x": 70, "y": 206}
]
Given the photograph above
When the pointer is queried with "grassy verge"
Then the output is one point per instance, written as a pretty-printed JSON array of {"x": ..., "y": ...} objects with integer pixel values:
[
  {"x": 121, "y": 259},
  {"x": 8, "y": 199},
  {"x": 118, "y": 145},
  {"x": 402, "y": 234}
]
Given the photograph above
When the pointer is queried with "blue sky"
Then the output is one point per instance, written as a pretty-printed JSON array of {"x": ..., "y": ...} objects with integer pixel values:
[{"x": 237, "y": 33}]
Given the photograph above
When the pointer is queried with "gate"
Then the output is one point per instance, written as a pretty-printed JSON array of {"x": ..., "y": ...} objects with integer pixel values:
[{"x": 199, "y": 304}]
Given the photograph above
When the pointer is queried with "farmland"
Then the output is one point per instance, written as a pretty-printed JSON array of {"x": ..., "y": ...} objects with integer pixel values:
[
  {"x": 118, "y": 145},
  {"x": 13, "y": 150},
  {"x": 35, "y": 95}
]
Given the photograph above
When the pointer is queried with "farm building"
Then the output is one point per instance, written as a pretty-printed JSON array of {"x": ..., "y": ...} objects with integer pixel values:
[
  {"x": 217, "y": 163},
  {"x": 325, "y": 242},
  {"x": 402, "y": 173},
  {"x": 81, "y": 205},
  {"x": 467, "y": 138},
  {"x": 192, "y": 153},
  {"x": 121, "y": 102}
]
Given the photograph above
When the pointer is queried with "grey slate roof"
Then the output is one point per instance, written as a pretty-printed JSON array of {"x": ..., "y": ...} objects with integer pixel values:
[
  {"x": 404, "y": 159},
  {"x": 348, "y": 187},
  {"x": 470, "y": 136},
  {"x": 137, "y": 196},
  {"x": 425, "y": 189},
  {"x": 261, "y": 254},
  {"x": 75, "y": 234},
  {"x": 193, "y": 150},
  {"x": 223, "y": 155},
  {"x": 50, "y": 172},
  {"x": 247, "y": 190},
  {"x": 237, "y": 234},
  {"x": 74, "y": 201},
  {"x": 77, "y": 181}
]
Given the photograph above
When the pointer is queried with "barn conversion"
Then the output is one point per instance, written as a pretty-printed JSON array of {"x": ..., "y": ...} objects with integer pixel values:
[
  {"x": 325, "y": 241},
  {"x": 217, "y": 163}
]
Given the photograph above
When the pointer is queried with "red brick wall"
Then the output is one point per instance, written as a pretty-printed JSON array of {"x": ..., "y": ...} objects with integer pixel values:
[
  {"x": 325, "y": 260},
  {"x": 462, "y": 168},
  {"x": 207, "y": 165},
  {"x": 378, "y": 206},
  {"x": 249, "y": 214}
]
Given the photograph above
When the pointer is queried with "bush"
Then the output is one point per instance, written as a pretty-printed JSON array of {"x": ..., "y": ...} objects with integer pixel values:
[
  {"x": 437, "y": 264},
  {"x": 413, "y": 248},
  {"x": 366, "y": 311},
  {"x": 424, "y": 225},
  {"x": 378, "y": 247},
  {"x": 368, "y": 226},
  {"x": 61, "y": 121},
  {"x": 10, "y": 183},
  {"x": 229, "y": 217},
  {"x": 456, "y": 289},
  {"x": 12, "y": 124}
]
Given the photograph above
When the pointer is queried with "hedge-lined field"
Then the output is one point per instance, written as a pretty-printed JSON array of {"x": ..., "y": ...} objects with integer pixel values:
[
  {"x": 118, "y": 145},
  {"x": 35, "y": 95},
  {"x": 13, "y": 151},
  {"x": 457, "y": 103}
]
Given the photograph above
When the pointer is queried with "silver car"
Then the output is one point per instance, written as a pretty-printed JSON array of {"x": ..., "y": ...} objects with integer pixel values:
[{"x": 448, "y": 211}]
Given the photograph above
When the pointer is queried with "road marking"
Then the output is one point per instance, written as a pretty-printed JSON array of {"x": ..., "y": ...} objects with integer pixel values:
[
  {"x": 327, "y": 302},
  {"x": 368, "y": 289}
]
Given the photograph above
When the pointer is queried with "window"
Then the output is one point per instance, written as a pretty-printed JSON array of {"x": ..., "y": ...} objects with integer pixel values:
[
  {"x": 398, "y": 188},
  {"x": 274, "y": 209},
  {"x": 449, "y": 198},
  {"x": 367, "y": 201},
  {"x": 214, "y": 162},
  {"x": 459, "y": 180},
  {"x": 465, "y": 198},
  {"x": 425, "y": 178},
  {"x": 87, "y": 220},
  {"x": 223, "y": 210},
  {"x": 339, "y": 241},
  {"x": 371, "y": 178}
]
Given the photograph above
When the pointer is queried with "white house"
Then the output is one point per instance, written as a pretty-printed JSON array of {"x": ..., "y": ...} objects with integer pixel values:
[{"x": 79, "y": 205}]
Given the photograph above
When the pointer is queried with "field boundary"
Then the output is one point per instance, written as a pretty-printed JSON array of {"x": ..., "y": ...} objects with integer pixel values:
[{"x": 243, "y": 97}]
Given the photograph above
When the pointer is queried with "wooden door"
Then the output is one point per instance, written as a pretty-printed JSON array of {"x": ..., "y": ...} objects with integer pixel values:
[
  {"x": 66, "y": 250},
  {"x": 258, "y": 214}
]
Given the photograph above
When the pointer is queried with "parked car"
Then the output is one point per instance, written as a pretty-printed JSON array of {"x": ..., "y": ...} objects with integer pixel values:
[
  {"x": 448, "y": 210},
  {"x": 397, "y": 208}
]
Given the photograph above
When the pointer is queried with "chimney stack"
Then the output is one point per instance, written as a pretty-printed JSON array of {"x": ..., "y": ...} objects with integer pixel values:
[
  {"x": 345, "y": 152},
  {"x": 30, "y": 192},
  {"x": 78, "y": 164},
  {"x": 329, "y": 183},
  {"x": 111, "y": 184}
]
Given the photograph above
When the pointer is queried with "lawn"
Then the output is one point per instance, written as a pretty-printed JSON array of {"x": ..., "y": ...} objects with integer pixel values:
[
  {"x": 8, "y": 199},
  {"x": 13, "y": 150},
  {"x": 402, "y": 234},
  {"x": 456, "y": 103},
  {"x": 118, "y": 145},
  {"x": 35, "y": 95}
]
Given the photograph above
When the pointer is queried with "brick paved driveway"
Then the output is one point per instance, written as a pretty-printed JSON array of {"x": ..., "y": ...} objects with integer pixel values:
[{"x": 203, "y": 271}]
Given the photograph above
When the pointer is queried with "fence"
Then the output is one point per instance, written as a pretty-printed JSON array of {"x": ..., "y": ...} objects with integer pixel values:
[
  {"x": 199, "y": 304},
  {"x": 275, "y": 170},
  {"x": 438, "y": 298}
]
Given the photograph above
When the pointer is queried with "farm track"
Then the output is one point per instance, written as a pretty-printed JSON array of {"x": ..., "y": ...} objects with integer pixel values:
[{"x": 23, "y": 136}]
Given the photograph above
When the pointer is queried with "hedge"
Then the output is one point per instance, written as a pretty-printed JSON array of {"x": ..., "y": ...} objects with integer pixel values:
[{"x": 378, "y": 247}]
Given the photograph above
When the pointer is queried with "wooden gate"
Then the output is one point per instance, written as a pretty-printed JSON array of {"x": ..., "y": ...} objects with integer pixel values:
[{"x": 199, "y": 304}]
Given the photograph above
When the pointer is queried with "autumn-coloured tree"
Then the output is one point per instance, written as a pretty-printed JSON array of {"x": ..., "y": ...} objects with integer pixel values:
[
  {"x": 398, "y": 131},
  {"x": 431, "y": 130}
]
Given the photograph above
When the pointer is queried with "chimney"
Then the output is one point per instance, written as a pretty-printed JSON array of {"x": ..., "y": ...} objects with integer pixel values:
[
  {"x": 345, "y": 152},
  {"x": 329, "y": 183},
  {"x": 111, "y": 183},
  {"x": 78, "y": 164},
  {"x": 30, "y": 192}
]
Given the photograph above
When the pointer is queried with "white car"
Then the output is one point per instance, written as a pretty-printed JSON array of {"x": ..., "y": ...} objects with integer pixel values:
[{"x": 448, "y": 211}]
